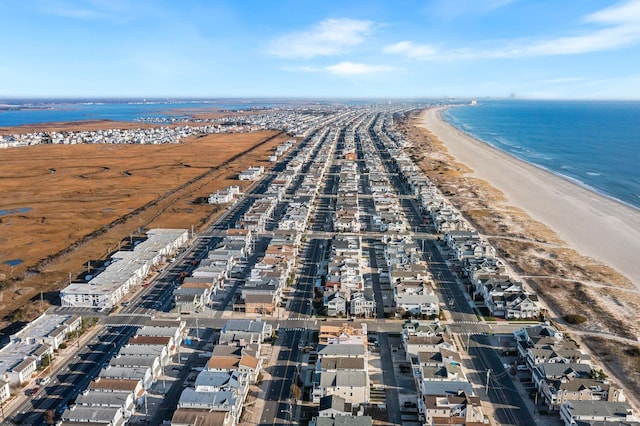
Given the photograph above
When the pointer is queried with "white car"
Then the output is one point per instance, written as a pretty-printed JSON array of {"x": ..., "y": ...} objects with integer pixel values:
[{"x": 522, "y": 367}]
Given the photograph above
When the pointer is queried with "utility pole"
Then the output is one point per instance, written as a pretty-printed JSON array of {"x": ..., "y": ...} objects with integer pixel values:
[
  {"x": 50, "y": 356},
  {"x": 486, "y": 388},
  {"x": 164, "y": 383}
]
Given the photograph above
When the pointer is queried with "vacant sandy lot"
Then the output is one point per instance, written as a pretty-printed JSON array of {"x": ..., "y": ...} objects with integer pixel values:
[{"x": 65, "y": 205}]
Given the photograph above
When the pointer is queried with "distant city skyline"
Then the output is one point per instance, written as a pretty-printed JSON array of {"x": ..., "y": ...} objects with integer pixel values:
[{"x": 291, "y": 49}]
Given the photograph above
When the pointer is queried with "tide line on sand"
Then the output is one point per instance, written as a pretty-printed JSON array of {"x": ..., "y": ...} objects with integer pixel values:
[{"x": 592, "y": 224}]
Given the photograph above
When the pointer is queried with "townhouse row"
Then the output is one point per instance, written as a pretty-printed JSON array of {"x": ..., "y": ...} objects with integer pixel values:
[
  {"x": 445, "y": 395},
  {"x": 121, "y": 387},
  {"x": 124, "y": 271},
  {"x": 567, "y": 382},
  {"x": 31, "y": 349}
]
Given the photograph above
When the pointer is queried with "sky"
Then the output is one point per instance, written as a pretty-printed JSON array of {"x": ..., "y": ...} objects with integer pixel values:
[{"x": 549, "y": 49}]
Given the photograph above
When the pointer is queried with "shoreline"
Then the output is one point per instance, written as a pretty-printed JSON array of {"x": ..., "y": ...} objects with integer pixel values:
[
  {"x": 571, "y": 179},
  {"x": 595, "y": 225}
]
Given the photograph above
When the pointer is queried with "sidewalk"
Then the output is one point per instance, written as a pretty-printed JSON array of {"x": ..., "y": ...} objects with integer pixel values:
[{"x": 257, "y": 395}]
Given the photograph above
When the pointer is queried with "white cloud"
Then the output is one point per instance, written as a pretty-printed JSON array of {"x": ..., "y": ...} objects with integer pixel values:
[
  {"x": 329, "y": 37},
  {"x": 621, "y": 29},
  {"x": 411, "y": 50},
  {"x": 628, "y": 12},
  {"x": 352, "y": 68},
  {"x": 344, "y": 68}
]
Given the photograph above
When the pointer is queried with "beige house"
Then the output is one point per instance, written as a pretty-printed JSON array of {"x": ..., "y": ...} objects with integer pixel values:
[{"x": 460, "y": 409}]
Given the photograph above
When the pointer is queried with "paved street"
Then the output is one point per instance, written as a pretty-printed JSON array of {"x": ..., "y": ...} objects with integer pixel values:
[{"x": 299, "y": 315}]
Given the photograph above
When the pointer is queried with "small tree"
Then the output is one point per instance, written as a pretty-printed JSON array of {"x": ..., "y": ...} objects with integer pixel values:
[
  {"x": 574, "y": 319},
  {"x": 49, "y": 417},
  {"x": 598, "y": 374},
  {"x": 295, "y": 391},
  {"x": 46, "y": 360}
]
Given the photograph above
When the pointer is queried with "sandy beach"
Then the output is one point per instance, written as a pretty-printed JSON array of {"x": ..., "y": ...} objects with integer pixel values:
[{"x": 594, "y": 225}]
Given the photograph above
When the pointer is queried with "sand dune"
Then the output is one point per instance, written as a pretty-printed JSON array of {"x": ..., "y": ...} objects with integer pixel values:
[{"x": 592, "y": 224}]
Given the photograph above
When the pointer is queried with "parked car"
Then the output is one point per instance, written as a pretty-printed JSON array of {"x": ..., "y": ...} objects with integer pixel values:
[{"x": 522, "y": 367}]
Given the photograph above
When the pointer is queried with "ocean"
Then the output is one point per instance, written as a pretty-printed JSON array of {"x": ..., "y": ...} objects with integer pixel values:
[{"x": 593, "y": 143}]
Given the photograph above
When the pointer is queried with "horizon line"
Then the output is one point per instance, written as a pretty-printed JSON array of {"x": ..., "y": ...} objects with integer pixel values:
[{"x": 297, "y": 98}]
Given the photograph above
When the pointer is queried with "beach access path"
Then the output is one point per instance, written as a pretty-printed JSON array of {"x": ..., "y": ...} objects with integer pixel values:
[{"x": 592, "y": 224}]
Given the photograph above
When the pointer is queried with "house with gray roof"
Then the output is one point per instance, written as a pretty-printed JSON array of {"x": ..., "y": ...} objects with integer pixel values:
[
  {"x": 143, "y": 374},
  {"x": 137, "y": 361},
  {"x": 594, "y": 413},
  {"x": 353, "y": 386},
  {"x": 214, "y": 381},
  {"x": 557, "y": 392},
  {"x": 224, "y": 401},
  {"x": 115, "y": 399},
  {"x": 332, "y": 406},
  {"x": 543, "y": 373},
  {"x": 76, "y": 415},
  {"x": 249, "y": 330},
  {"x": 342, "y": 350},
  {"x": 341, "y": 420}
]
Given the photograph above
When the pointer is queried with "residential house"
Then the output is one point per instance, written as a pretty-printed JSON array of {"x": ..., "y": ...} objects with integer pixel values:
[
  {"x": 342, "y": 370},
  {"x": 201, "y": 417},
  {"x": 363, "y": 304},
  {"x": 5, "y": 391},
  {"x": 342, "y": 420},
  {"x": 249, "y": 330},
  {"x": 574, "y": 413},
  {"x": 335, "y": 302},
  {"x": 111, "y": 416},
  {"x": 557, "y": 392},
  {"x": 332, "y": 406},
  {"x": 459, "y": 409},
  {"x": 223, "y": 402}
]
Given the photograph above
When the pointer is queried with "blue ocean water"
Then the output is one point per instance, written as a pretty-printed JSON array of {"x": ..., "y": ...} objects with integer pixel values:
[
  {"x": 593, "y": 143},
  {"x": 29, "y": 112}
]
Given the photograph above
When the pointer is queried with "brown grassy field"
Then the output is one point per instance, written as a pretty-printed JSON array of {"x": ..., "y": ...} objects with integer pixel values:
[{"x": 79, "y": 201}]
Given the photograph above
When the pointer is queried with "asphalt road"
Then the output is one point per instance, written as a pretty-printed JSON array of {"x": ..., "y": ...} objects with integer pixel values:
[
  {"x": 70, "y": 379},
  {"x": 483, "y": 357},
  {"x": 279, "y": 406}
]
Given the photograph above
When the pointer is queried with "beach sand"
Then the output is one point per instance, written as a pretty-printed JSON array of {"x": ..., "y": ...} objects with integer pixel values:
[{"x": 594, "y": 225}]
